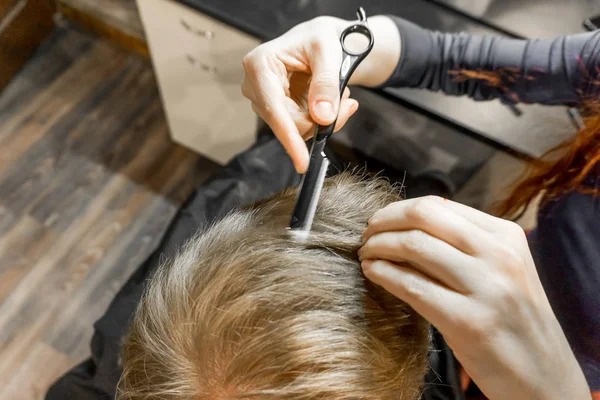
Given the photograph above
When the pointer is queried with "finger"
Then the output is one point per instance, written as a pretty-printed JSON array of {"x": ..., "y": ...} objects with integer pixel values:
[
  {"x": 427, "y": 254},
  {"x": 481, "y": 219},
  {"x": 430, "y": 215},
  {"x": 282, "y": 124},
  {"x": 347, "y": 110},
  {"x": 432, "y": 300},
  {"x": 266, "y": 84},
  {"x": 325, "y": 57},
  {"x": 500, "y": 230},
  {"x": 301, "y": 118},
  {"x": 346, "y": 94}
]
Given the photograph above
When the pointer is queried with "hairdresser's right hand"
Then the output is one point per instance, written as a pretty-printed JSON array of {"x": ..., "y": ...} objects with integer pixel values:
[
  {"x": 293, "y": 81},
  {"x": 473, "y": 277}
]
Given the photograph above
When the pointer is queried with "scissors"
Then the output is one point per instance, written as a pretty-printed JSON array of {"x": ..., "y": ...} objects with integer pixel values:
[{"x": 312, "y": 182}]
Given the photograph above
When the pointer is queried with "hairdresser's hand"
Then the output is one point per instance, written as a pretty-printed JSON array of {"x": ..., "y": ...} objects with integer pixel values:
[
  {"x": 472, "y": 276},
  {"x": 293, "y": 81}
]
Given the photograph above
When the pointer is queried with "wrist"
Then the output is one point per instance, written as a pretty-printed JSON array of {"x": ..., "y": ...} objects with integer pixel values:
[{"x": 381, "y": 63}]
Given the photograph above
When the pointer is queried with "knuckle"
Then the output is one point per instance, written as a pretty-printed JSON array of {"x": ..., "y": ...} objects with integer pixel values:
[
  {"x": 515, "y": 230},
  {"x": 414, "y": 288},
  {"x": 321, "y": 23},
  {"x": 412, "y": 243},
  {"x": 510, "y": 260},
  {"x": 422, "y": 209},
  {"x": 503, "y": 251},
  {"x": 433, "y": 198},
  {"x": 322, "y": 19},
  {"x": 375, "y": 245},
  {"x": 248, "y": 60},
  {"x": 323, "y": 40},
  {"x": 376, "y": 219},
  {"x": 251, "y": 60},
  {"x": 326, "y": 80},
  {"x": 317, "y": 45}
]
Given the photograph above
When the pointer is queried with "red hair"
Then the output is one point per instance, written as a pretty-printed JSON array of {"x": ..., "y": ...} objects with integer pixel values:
[{"x": 560, "y": 170}]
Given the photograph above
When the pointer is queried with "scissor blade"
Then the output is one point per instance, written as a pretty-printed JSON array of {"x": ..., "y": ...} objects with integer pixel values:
[{"x": 310, "y": 189}]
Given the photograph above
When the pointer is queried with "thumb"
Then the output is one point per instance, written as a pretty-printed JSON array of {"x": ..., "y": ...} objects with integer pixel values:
[{"x": 324, "y": 91}]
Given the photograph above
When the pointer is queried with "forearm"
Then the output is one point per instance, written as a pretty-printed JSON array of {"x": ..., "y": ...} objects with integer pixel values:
[
  {"x": 549, "y": 71},
  {"x": 381, "y": 63}
]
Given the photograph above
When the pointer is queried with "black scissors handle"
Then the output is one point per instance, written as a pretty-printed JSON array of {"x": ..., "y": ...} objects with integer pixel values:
[
  {"x": 312, "y": 182},
  {"x": 350, "y": 61}
]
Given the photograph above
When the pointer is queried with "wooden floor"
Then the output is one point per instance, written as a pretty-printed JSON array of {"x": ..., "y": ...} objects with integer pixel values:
[{"x": 88, "y": 182}]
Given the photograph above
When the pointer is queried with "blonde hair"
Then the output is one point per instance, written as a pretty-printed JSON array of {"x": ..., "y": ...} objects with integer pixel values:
[{"x": 245, "y": 311}]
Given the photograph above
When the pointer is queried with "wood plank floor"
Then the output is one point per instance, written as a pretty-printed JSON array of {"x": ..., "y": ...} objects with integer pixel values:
[{"x": 89, "y": 180}]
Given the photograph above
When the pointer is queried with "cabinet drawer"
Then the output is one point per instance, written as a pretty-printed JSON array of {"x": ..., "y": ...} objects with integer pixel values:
[{"x": 200, "y": 76}]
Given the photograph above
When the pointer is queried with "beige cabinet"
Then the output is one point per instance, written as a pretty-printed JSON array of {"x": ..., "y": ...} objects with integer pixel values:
[{"x": 198, "y": 65}]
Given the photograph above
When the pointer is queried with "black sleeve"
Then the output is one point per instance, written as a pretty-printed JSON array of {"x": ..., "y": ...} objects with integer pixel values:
[
  {"x": 563, "y": 70},
  {"x": 566, "y": 250}
]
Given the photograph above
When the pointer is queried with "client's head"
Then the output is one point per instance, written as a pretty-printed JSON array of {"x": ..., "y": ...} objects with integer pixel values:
[{"x": 248, "y": 311}]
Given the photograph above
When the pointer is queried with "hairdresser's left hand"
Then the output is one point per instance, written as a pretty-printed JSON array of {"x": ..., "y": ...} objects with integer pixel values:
[{"x": 473, "y": 277}]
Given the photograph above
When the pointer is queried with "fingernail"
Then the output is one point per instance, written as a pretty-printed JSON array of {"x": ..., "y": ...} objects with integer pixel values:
[
  {"x": 324, "y": 110},
  {"x": 360, "y": 251}
]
